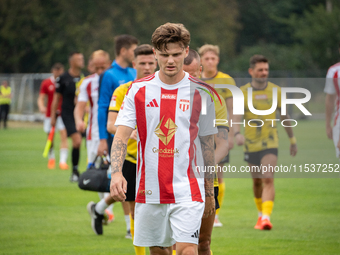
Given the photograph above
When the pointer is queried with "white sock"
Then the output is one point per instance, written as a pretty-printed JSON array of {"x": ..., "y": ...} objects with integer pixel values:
[
  {"x": 265, "y": 217},
  {"x": 260, "y": 214},
  {"x": 101, "y": 195},
  {"x": 110, "y": 208},
  {"x": 127, "y": 221},
  {"x": 51, "y": 154},
  {"x": 63, "y": 155},
  {"x": 101, "y": 206}
]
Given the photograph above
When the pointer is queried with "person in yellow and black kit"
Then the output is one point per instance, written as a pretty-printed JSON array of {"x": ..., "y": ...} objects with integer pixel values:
[
  {"x": 5, "y": 102},
  {"x": 261, "y": 140},
  {"x": 193, "y": 67},
  {"x": 210, "y": 60}
]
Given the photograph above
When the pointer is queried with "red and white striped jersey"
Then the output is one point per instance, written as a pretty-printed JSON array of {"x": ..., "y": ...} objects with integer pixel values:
[
  {"x": 88, "y": 91},
  {"x": 169, "y": 122},
  {"x": 333, "y": 87}
]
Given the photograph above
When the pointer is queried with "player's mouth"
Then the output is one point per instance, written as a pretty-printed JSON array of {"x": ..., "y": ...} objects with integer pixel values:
[{"x": 170, "y": 68}]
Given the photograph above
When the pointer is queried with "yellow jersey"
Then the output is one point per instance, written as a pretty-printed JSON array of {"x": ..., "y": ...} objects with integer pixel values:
[
  {"x": 221, "y": 78},
  {"x": 115, "y": 104},
  {"x": 264, "y": 136},
  {"x": 4, "y": 92}
]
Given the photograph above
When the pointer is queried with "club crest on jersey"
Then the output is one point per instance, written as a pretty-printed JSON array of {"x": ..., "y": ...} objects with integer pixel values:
[
  {"x": 165, "y": 132},
  {"x": 184, "y": 104}
]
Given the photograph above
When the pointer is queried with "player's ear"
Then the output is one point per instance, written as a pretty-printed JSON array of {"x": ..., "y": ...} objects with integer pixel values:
[
  {"x": 201, "y": 68},
  {"x": 250, "y": 71},
  {"x": 154, "y": 53},
  {"x": 187, "y": 51},
  {"x": 134, "y": 64}
]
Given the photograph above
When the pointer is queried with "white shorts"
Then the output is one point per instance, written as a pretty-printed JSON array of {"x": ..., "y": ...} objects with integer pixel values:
[
  {"x": 92, "y": 149},
  {"x": 59, "y": 125},
  {"x": 165, "y": 224},
  {"x": 336, "y": 133}
]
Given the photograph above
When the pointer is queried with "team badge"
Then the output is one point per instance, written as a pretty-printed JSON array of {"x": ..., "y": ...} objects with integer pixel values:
[{"x": 184, "y": 104}]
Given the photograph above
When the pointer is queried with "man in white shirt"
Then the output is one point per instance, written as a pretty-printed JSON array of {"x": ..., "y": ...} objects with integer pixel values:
[{"x": 175, "y": 140}]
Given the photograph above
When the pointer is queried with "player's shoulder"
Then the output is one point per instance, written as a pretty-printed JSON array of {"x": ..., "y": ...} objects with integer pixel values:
[
  {"x": 245, "y": 86},
  {"x": 222, "y": 75},
  {"x": 271, "y": 85},
  {"x": 334, "y": 68},
  {"x": 122, "y": 88}
]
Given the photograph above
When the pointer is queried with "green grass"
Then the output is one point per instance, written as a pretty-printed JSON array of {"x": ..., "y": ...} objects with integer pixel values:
[{"x": 41, "y": 212}]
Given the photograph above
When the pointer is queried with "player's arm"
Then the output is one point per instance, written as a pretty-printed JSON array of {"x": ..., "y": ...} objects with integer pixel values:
[
  {"x": 79, "y": 112},
  {"x": 54, "y": 107},
  {"x": 221, "y": 142},
  {"x": 118, "y": 185},
  {"x": 330, "y": 102},
  {"x": 229, "y": 103},
  {"x": 111, "y": 128},
  {"x": 290, "y": 133},
  {"x": 237, "y": 129},
  {"x": 105, "y": 94},
  {"x": 41, "y": 102},
  {"x": 207, "y": 144}
]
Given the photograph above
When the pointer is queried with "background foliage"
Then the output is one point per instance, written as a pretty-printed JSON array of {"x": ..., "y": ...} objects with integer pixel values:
[{"x": 294, "y": 35}]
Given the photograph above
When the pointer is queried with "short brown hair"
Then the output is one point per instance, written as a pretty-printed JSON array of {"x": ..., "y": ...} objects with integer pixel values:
[
  {"x": 124, "y": 41},
  {"x": 144, "y": 49},
  {"x": 57, "y": 66},
  {"x": 257, "y": 59},
  {"x": 170, "y": 33},
  {"x": 209, "y": 47},
  {"x": 191, "y": 56}
]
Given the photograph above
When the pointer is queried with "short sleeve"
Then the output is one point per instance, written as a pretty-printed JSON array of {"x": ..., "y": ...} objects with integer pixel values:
[
  {"x": 278, "y": 97},
  {"x": 127, "y": 111},
  {"x": 83, "y": 96},
  {"x": 59, "y": 86},
  {"x": 117, "y": 99},
  {"x": 43, "y": 88},
  {"x": 329, "y": 87},
  {"x": 206, "y": 122}
]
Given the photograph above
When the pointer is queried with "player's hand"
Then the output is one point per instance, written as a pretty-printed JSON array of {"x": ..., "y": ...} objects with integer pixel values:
[
  {"x": 230, "y": 143},
  {"x": 209, "y": 208},
  {"x": 53, "y": 121},
  {"x": 118, "y": 187},
  {"x": 293, "y": 150},
  {"x": 239, "y": 139},
  {"x": 134, "y": 135},
  {"x": 80, "y": 126},
  {"x": 42, "y": 109},
  {"x": 329, "y": 132},
  {"x": 102, "y": 147}
]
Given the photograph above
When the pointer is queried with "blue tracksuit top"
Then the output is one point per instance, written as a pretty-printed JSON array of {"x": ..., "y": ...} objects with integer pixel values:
[{"x": 109, "y": 81}]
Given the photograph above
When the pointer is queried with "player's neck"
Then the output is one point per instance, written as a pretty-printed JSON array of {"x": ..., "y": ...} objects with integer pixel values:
[
  {"x": 121, "y": 62},
  {"x": 75, "y": 72},
  {"x": 171, "y": 80},
  {"x": 209, "y": 74},
  {"x": 258, "y": 85}
]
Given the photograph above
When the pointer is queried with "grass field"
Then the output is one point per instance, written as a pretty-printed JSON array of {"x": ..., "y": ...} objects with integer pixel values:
[{"x": 43, "y": 213}]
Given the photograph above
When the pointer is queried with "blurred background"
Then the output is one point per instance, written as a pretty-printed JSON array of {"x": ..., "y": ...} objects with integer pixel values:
[{"x": 300, "y": 38}]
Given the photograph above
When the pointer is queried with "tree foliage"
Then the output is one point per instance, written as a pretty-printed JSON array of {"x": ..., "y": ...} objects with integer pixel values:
[{"x": 35, "y": 34}]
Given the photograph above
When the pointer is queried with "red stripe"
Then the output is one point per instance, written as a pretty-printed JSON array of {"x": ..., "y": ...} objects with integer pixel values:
[
  {"x": 193, "y": 130},
  {"x": 147, "y": 78},
  {"x": 166, "y": 164},
  {"x": 336, "y": 85},
  {"x": 155, "y": 102},
  {"x": 88, "y": 89},
  {"x": 142, "y": 133}
]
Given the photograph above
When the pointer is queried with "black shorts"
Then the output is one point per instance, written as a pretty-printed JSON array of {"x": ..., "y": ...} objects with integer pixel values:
[
  {"x": 129, "y": 173},
  {"x": 256, "y": 157},
  {"x": 217, "y": 205},
  {"x": 69, "y": 123},
  {"x": 225, "y": 159}
]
